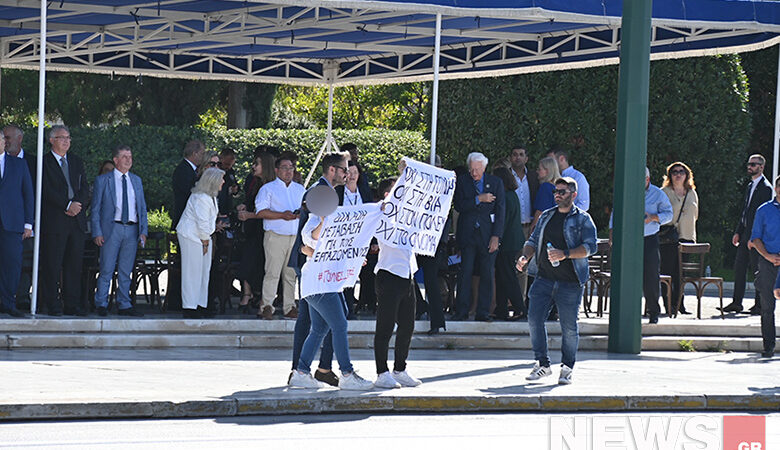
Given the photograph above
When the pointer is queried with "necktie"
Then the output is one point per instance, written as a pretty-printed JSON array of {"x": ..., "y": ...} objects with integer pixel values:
[
  {"x": 125, "y": 208},
  {"x": 66, "y": 172}
]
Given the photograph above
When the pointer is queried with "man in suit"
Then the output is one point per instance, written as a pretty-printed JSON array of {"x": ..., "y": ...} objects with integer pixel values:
[
  {"x": 479, "y": 199},
  {"x": 185, "y": 176},
  {"x": 119, "y": 223},
  {"x": 13, "y": 147},
  {"x": 757, "y": 192},
  {"x": 527, "y": 186},
  {"x": 64, "y": 200},
  {"x": 16, "y": 218}
]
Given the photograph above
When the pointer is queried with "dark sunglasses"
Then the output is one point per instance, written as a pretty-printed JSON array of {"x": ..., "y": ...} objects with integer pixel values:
[
  {"x": 212, "y": 164},
  {"x": 753, "y": 164},
  {"x": 560, "y": 191},
  {"x": 677, "y": 172}
]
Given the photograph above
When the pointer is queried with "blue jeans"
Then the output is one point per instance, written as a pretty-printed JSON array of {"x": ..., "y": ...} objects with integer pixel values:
[
  {"x": 567, "y": 297},
  {"x": 302, "y": 327},
  {"x": 328, "y": 312},
  {"x": 118, "y": 252}
]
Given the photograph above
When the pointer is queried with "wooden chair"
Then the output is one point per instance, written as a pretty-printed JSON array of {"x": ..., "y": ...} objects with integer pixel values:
[
  {"x": 148, "y": 267},
  {"x": 692, "y": 271},
  {"x": 666, "y": 282}
]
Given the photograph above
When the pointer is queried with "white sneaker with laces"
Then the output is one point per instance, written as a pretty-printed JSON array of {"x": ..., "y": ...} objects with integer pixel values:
[
  {"x": 354, "y": 382},
  {"x": 538, "y": 372},
  {"x": 304, "y": 380},
  {"x": 405, "y": 379},
  {"x": 565, "y": 377},
  {"x": 386, "y": 381}
]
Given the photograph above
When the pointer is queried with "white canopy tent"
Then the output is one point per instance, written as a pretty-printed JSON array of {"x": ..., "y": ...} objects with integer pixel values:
[{"x": 336, "y": 43}]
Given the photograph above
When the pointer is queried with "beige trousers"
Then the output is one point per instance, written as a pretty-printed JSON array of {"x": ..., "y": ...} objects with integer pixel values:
[{"x": 277, "y": 254}]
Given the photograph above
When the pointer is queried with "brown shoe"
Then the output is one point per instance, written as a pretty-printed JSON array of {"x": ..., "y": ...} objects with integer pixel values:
[
  {"x": 292, "y": 313},
  {"x": 267, "y": 313}
]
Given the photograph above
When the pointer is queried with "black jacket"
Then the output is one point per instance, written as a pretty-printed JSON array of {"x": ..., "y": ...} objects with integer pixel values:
[
  {"x": 298, "y": 259},
  {"x": 183, "y": 181},
  {"x": 761, "y": 195},
  {"x": 477, "y": 223},
  {"x": 54, "y": 196}
]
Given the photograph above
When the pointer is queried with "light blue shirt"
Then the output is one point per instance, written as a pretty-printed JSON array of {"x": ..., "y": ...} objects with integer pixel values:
[
  {"x": 656, "y": 202},
  {"x": 523, "y": 192},
  {"x": 583, "y": 188}
]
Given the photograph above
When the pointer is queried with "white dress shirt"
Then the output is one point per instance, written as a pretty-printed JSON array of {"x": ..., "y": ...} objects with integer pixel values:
[
  {"x": 131, "y": 209},
  {"x": 523, "y": 192},
  {"x": 399, "y": 262},
  {"x": 2, "y": 164},
  {"x": 278, "y": 197}
]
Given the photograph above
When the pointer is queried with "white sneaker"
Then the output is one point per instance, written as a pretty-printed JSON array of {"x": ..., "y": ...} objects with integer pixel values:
[
  {"x": 354, "y": 382},
  {"x": 565, "y": 377},
  {"x": 539, "y": 372},
  {"x": 304, "y": 380},
  {"x": 405, "y": 379},
  {"x": 386, "y": 381}
]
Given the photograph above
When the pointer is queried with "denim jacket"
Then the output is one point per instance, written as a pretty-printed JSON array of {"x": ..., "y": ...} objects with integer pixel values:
[{"x": 578, "y": 229}]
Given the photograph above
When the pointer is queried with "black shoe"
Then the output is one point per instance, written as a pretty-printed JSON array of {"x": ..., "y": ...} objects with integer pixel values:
[
  {"x": 732, "y": 307},
  {"x": 327, "y": 377},
  {"x": 76, "y": 312},
  {"x": 433, "y": 331},
  {"x": 130, "y": 312},
  {"x": 483, "y": 319},
  {"x": 191, "y": 314},
  {"x": 653, "y": 319},
  {"x": 755, "y": 311},
  {"x": 684, "y": 312},
  {"x": 768, "y": 354},
  {"x": 102, "y": 311},
  {"x": 13, "y": 312},
  {"x": 206, "y": 313}
]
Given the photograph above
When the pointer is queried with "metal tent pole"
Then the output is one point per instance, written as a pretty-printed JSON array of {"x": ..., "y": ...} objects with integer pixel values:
[
  {"x": 330, "y": 75},
  {"x": 625, "y": 317},
  {"x": 435, "y": 105},
  {"x": 39, "y": 162},
  {"x": 776, "y": 151}
]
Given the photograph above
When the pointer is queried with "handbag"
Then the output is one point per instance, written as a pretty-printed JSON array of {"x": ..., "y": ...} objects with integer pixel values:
[{"x": 668, "y": 234}]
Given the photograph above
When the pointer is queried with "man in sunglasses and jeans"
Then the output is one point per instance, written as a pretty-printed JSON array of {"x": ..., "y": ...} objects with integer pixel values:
[{"x": 558, "y": 251}]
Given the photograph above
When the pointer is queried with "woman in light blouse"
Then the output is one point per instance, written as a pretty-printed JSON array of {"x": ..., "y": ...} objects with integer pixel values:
[
  {"x": 678, "y": 185},
  {"x": 197, "y": 224}
]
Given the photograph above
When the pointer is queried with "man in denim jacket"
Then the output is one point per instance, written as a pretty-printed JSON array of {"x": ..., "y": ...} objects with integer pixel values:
[{"x": 563, "y": 239}]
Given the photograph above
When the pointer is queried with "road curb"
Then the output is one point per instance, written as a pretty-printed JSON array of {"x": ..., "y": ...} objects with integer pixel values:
[{"x": 364, "y": 404}]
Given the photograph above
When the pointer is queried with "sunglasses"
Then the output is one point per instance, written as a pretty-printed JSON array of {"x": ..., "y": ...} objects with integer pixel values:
[
  {"x": 753, "y": 164},
  {"x": 212, "y": 164},
  {"x": 560, "y": 192},
  {"x": 678, "y": 172}
]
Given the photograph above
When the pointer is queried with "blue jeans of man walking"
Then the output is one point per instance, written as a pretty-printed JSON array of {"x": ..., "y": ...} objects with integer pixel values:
[
  {"x": 302, "y": 328},
  {"x": 328, "y": 313},
  {"x": 117, "y": 253},
  {"x": 567, "y": 297}
]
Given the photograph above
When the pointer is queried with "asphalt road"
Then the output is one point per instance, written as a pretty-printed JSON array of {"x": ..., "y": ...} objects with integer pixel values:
[{"x": 450, "y": 431}]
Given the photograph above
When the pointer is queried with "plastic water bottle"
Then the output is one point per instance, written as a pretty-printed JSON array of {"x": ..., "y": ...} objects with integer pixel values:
[
  {"x": 552, "y": 263},
  {"x": 707, "y": 272}
]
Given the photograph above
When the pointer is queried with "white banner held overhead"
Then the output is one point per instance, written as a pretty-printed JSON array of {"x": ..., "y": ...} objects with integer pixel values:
[
  {"x": 417, "y": 208},
  {"x": 341, "y": 249}
]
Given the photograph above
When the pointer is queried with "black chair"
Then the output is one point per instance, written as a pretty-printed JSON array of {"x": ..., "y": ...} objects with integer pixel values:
[{"x": 149, "y": 265}]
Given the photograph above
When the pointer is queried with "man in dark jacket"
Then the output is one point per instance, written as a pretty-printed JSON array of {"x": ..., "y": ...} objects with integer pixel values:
[
  {"x": 184, "y": 177},
  {"x": 757, "y": 192},
  {"x": 479, "y": 199}
]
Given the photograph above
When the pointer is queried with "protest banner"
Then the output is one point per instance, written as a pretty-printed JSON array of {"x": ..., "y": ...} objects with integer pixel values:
[
  {"x": 341, "y": 249},
  {"x": 416, "y": 210}
]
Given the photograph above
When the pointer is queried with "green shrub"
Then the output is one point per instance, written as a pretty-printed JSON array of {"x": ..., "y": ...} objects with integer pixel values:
[
  {"x": 159, "y": 220},
  {"x": 157, "y": 150}
]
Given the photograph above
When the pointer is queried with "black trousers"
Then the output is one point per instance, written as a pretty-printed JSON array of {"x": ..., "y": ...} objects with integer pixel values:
[
  {"x": 508, "y": 286},
  {"x": 765, "y": 283},
  {"x": 651, "y": 277},
  {"x": 367, "y": 298},
  {"x": 395, "y": 305},
  {"x": 430, "y": 267},
  {"x": 61, "y": 255},
  {"x": 746, "y": 259},
  {"x": 670, "y": 265}
]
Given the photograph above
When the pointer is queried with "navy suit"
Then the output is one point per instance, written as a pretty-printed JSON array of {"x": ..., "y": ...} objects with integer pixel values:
[
  {"x": 62, "y": 236},
  {"x": 477, "y": 224},
  {"x": 16, "y": 210},
  {"x": 184, "y": 178},
  {"x": 120, "y": 239}
]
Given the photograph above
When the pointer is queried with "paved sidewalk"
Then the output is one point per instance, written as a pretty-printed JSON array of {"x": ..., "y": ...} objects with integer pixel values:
[{"x": 226, "y": 382}]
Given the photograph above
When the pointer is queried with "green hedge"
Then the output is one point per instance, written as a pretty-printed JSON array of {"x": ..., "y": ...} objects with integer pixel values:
[
  {"x": 698, "y": 114},
  {"x": 157, "y": 150}
]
